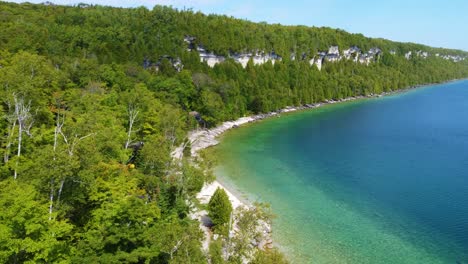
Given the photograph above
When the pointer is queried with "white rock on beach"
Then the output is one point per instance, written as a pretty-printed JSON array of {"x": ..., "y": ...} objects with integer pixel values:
[
  {"x": 202, "y": 139},
  {"x": 208, "y": 190}
]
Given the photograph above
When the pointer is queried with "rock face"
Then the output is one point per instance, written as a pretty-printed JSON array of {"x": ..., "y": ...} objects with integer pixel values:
[
  {"x": 332, "y": 55},
  {"x": 334, "y": 50},
  {"x": 353, "y": 51},
  {"x": 318, "y": 59},
  {"x": 264, "y": 58},
  {"x": 257, "y": 58},
  {"x": 408, "y": 55},
  {"x": 210, "y": 58},
  {"x": 365, "y": 59},
  {"x": 454, "y": 58},
  {"x": 423, "y": 54},
  {"x": 375, "y": 51}
]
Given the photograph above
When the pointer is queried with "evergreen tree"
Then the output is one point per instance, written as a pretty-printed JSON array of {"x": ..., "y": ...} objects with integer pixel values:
[{"x": 219, "y": 208}]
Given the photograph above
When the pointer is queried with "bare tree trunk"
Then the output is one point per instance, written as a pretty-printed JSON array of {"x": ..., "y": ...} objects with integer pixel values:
[
  {"x": 11, "y": 132},
  {"x": 20, "y": 139},
  {"x": 58, "y": 128},
  {"x": 51, "y": 198},
  {"x": 25, "y": 122},
  {"x": 132, "y": 115},
  {"x": 176, "y": 247},
  {"x": 71, "y": 144},
  {"x": 62, "y": 182}
]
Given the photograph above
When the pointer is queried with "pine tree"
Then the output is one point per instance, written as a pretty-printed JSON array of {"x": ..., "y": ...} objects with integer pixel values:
[{"x": 219, "y": 208}]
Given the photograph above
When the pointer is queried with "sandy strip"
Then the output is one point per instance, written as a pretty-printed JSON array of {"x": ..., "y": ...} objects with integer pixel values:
[
  {"x": 208, "y": 190},
  {"x": 201, "y": 139}
]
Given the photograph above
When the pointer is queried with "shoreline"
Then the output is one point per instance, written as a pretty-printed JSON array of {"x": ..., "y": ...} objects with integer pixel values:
[{"x": 205, "y": 138}]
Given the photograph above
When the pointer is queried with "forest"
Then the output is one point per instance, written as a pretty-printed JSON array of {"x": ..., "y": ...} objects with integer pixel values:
[{"x": 92, "y": 108}]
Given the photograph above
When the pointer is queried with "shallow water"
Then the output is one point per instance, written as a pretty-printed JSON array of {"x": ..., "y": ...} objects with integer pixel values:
[{"x": 372, "y": 181}]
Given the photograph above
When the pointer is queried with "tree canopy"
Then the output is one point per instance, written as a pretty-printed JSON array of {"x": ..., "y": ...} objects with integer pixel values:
[
  {"x": 95, "y": 99},
  {"x": 219, "y": 208}
]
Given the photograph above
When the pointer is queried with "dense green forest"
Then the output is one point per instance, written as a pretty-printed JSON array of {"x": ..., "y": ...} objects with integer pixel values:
[{"x": 92, "y": 108}]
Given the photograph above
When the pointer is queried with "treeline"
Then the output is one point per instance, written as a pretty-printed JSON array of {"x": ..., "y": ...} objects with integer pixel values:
[
  {"x": 92, "y": 108},
  {"x": 119, "y": 47},
  {"x": 130, "y": 35}
]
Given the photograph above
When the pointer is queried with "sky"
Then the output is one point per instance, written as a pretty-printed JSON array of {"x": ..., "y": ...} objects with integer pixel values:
[{"x": 432, "y": 22}]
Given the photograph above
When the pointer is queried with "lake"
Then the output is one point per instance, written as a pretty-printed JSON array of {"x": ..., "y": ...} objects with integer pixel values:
[{"x": 371, "y": 181}]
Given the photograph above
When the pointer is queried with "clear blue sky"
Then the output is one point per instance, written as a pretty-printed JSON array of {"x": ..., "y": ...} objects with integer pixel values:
[{"x": 432, "y": 22}]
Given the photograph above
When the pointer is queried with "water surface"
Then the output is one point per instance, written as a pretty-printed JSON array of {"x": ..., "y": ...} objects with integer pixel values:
[{"x": 372, "y": 181}]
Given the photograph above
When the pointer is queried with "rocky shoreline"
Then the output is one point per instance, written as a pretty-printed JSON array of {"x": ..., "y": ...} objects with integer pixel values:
[
  {"x": 201, "y": 139},
  {"x": 204, "y": 138}
]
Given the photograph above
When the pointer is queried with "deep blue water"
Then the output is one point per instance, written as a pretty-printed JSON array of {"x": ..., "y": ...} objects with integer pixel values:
[{"x": 374, "y": 181}]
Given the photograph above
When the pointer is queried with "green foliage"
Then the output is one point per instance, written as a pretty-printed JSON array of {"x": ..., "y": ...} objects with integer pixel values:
[
  {"x": 155, "y": 156},
  {"x": 26, "y": 234},
  {"x": 193, "y": 178},
  {"x": 108, "y": 48},
  {"x": 269, "y": 257},
  {"x": 220, "y": 209},
  {"x": 187, "y": 151},
  {"x": 216, "y": 252},
  {"x": 81, "y": 195},
  {"x": 250, "y": 225}
]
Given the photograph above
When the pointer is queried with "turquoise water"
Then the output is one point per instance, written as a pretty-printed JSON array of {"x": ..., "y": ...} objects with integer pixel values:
[{"x": 372, "y": 181}]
